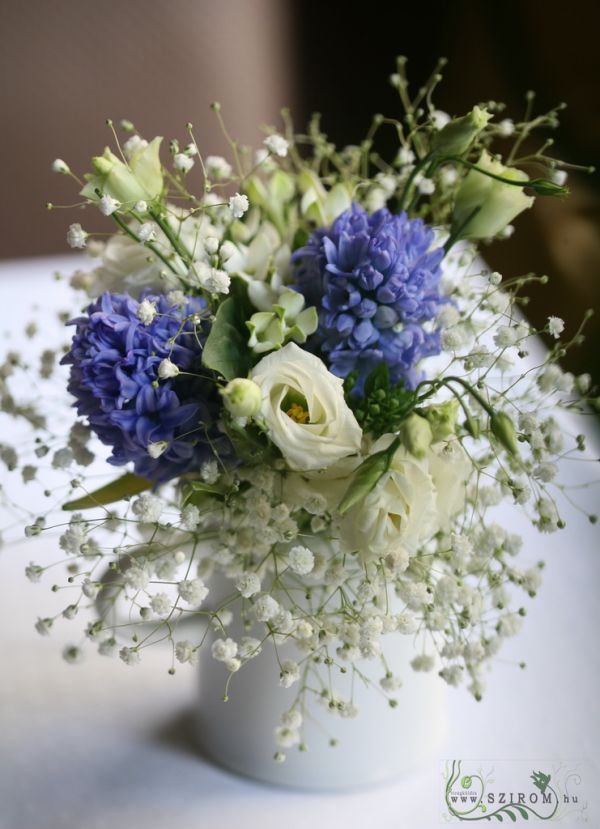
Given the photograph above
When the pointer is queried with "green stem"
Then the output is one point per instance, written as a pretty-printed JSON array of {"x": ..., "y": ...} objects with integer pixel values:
[{"x": 148, "y": 245}]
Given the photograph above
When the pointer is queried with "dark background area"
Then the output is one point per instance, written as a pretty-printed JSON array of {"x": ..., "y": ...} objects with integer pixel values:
[{"x": 66, "y": 65}]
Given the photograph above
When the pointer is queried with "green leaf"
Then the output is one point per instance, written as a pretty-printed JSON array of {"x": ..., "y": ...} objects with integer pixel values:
[
  {"x": 367, "y": 475},
  {"x": 226, "y": 349},
  {"x": 523, "y": 812},
  {"x": 511, "y": 815},
  {"x": 128, "y": 484}
]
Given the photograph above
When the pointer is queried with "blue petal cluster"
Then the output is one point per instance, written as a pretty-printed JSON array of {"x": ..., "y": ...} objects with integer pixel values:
[
  {"x": 114, "y": 362},
  {"x": 376, "y": 282}
]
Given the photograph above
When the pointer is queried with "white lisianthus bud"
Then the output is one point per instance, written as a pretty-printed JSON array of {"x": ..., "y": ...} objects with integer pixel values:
[
  {"x": 140, "y": 179},
  {"x": 242, "y": 397},
  {"x": 76, "y": 236},
  {"x": 416, "y": 435},
  {"x": 238, "y": 205},
  {"x": 490, "y": 204},
  {"x": 60, "y": 166},
  {"x": 457, "y": 135}
]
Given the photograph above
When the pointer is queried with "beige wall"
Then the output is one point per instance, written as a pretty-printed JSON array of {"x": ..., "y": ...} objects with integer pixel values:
[{"x": 67, "y": 65}]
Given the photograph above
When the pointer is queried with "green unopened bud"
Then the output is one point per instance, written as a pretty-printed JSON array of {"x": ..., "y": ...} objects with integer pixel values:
[
  {"x": 442, "y": 419},
  {"x": 457, "y": 136},
  {"x": 242, "y": 397},
  {"x": 367, "y": 475},
  {"x": 504, "y": 431},
  {"x": 545, "y": 187},
  {"x": 416, "y": 435}
]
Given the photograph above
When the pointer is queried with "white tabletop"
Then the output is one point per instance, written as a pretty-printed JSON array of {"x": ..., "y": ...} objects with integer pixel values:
[{"x": 100, "y": 745}]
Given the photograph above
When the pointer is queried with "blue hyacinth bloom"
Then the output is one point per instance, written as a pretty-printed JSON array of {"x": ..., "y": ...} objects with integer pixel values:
[
  {"x": 376, "y": 283},
  {"x": 114, "y": 362}
]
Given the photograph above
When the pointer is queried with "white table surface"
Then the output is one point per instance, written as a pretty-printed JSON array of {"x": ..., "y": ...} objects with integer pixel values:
[{"x": 100, "y": 745}]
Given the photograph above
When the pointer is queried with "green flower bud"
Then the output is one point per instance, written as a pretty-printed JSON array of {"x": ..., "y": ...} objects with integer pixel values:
[
  {"x": 457, "y": 136},
  {"x": 242, "y": 397},
  {"x": 416, "y": 435},
  {"x": 288, "y": 320},
  {"x": 366, "y": 477},
  {"x": 504, "y": 431},
  {"x": 139, "y": 180},
  {"x": 496, "y": 202},
  {"x": 442, "y": 419}
]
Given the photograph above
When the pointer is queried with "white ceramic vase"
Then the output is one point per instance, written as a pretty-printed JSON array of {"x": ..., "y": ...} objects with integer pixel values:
[{"x": 379, "y": 745}]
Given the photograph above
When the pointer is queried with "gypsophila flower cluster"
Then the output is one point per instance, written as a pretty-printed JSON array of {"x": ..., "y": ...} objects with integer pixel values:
[{"x": 320, "y": 395}]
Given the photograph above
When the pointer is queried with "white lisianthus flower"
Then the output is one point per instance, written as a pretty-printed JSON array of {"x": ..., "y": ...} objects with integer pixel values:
[
  {"x": 304, "y": 410},
  {"x": 399, "y": 514},
  {"x": 497, "y": 203}
]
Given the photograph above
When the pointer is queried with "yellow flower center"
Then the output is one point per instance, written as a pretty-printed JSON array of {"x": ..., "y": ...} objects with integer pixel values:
[{"x": 298, "y": 413}]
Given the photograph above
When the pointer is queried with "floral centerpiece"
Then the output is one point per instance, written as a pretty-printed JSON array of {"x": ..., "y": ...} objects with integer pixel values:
[{"x": 312, "y": 384}]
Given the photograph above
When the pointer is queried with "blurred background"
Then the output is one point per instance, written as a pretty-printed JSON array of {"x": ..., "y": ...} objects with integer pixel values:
[{"x": 67, "y": 65}]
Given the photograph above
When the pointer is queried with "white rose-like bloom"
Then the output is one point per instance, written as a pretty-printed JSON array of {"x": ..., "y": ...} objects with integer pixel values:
[
  {"x": 304, "y": 409},
  {"x": 399, "y": 514}
]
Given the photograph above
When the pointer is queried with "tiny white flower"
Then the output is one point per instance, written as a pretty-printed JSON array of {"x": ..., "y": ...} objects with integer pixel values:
[
  {"x": 507, "y": 232},
  {"x": 176, "y": 297},
  {"x": 190, "y": 517},
  {"x": 72, "y": 654},
  {"x": 211, "y": 245},
  {"x": 439, "y": 119},
  {"x": 193, "y": 591},
  {"x": 277, "y": 145},
  {"x": 157, "y": 448},
  {"x": 248, "y": 584},
  {"x": 249, "y": 647},
  {"x": 186, "y": 652},
  {"x": 133, "y": 145},
  {"x": 289, "y": 674},
  {"x": 62, "y": 458},
  {"x": 545, "y": 472},
  {"x": 161, "y": 604},
  {"x": 424, "y": 662},
  {"x": 405, "y": 156},
  {"x": 266, "y": 608},
  {"x": 426, "y": 186},
  {"x": 76, "y": 236},
  {"x": 216, "y": 167},
  {"x": 183, "y": 162},
  {"x": 209, "y": 472},
  {"x": 301, "y": 560},
  {"x": 130, "y": 656},
  {"x": 191, "y": 149},
  {"x": 108, "y": 205},
  {"x": 448, "y": 176},
  {"x": 213, "y": 280},
  {"x": 60, "y": 166},
  {"x": 34, "y": 572},
  {"x": 505, "y": 336},
  {"x": 233, "y": 664},
  {"x": 559, "y": 177},
  {"x": 238, "y": 205},
  {"x": 286, "y": 737},
  {"x": 495, "y": 278},
  {"x": 43, "y": 626},
  {"x": 147, "y": 507},
  {"x": 224, "y": 649},
  {"x": 167, "y": 369},
  {"x": 555, "y": 327},
  {"x": 583, "y": 383},
  {"x": 390, "y": 683},
  {"x": 108, "y": 647},
  {"x": 227, "y": 250},
  {"x": 146, "y": 311},
  {"x": 506, "y": 128},
  {"x": 147, "y": 232},
  {"x": 90, "y": 589},
  {"x": 137, "y": 577}
]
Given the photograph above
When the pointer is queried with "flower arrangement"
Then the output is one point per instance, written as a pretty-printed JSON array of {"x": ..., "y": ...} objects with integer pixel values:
[{"x": 313, "y": 383}]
